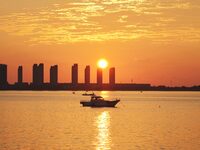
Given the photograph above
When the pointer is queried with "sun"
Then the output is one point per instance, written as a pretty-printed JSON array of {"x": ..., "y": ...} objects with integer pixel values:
[{"x": 102, "y": 63}]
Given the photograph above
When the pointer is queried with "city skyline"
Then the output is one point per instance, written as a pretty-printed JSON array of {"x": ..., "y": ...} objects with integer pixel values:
[
  {"x": 38, "y": 82},
  {"x": 38, "y": 75},
  {"x": 51, "y": 74}
]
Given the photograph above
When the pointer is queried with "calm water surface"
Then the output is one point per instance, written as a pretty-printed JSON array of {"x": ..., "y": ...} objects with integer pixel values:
[{"x": 56, "y": 121}]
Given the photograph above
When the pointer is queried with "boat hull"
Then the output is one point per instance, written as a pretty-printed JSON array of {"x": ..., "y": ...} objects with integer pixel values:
[{"x": 99, "y": 103}]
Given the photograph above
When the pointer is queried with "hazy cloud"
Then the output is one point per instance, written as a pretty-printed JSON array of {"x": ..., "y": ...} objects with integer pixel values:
[{"x": 101, "y": 20}]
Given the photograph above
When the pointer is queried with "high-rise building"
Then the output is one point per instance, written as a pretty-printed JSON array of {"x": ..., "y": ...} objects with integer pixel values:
[
  {"x": 20, "y": 74},
  {"x": 41, "y": 73},
  {"x": 3, "y": 74},
  {"x": 112, "y": 76},
  {"x": 99, "y": 76},
  {"x": 87, "y": 75},
  {"x": 54, "y": 74},
  {"x": 35, "y": 73},
  {"x": 38, "y": 74},
  {"x": 75, "y": 74}
]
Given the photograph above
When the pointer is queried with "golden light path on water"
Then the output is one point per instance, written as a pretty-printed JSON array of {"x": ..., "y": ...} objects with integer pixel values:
[
  {"x": 103, "y": 140},
  {"x": 104, "y": 94}
]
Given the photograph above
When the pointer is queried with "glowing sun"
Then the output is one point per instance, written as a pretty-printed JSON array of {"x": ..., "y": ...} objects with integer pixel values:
[{"x": 102, "y": 63}]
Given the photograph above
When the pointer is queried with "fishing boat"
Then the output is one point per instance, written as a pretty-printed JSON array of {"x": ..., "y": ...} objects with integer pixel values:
[
  {"x": 99, "y": 101},
  {"x": 88, "y": 94}
]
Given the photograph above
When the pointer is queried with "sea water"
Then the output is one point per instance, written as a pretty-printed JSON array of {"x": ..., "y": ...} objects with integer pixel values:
[{"x": 57, "y": 121}]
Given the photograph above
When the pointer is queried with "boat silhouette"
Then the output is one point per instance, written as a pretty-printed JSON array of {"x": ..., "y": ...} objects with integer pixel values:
[
  {"x": 99, "y": 101},
  {"x": 88, "y": 94}
]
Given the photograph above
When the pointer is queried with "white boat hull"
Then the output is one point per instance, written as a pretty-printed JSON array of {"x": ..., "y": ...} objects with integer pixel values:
[{"x": 99, "y": 103}]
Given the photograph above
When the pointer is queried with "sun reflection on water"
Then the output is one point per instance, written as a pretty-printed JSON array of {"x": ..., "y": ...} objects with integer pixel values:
[
  {"x": 103, "y": 140},
  {"x": 104, "y": 94}
]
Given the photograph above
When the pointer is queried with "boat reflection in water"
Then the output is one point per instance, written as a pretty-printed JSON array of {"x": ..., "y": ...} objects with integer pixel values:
[{"x": 103, "y": 140}]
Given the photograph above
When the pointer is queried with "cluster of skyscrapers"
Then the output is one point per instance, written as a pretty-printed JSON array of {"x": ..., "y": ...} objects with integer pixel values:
[
  {"x": 38, "y": 75},
  {"x": 39, "y": 84},
  {"x": 87, "y": 75}
]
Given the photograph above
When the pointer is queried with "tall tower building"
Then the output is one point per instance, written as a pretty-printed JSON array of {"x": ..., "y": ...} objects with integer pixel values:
[
  {"x": 54, "y": 74},
  {"x": 35, "y": 73},
  {"x": 87, "y": 75},
  {"x": 38, "y": 74},
  {"x": 20, "y": 74},
  {"x": 112, "y": 76},
  {"x": 41, "y": 73},
  {"x": 75, "y": 74},
  {"x": 3, "y": 74},
  {"x": 99, "y": 76}
]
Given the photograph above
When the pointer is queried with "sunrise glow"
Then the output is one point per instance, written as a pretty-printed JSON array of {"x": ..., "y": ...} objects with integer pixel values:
[
  {"x": 147, "y": 41},
  {"x": 102, "y": 63}
]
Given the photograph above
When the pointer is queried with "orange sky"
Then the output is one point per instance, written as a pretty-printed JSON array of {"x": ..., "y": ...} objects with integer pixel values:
[{"x": 147, "y": 41}]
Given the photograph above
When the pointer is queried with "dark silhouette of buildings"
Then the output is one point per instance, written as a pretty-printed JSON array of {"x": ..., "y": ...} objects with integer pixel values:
[
  {"x": 112, "y": 76},
  {"x": 38, "y": 74},
  {"x": 99, "y": 76},
  {"x": 75, "y": 74},
  {"x": 38, "y": 81},
  {"x": 20, "y": 74},
  {"x": 20, "y": 85},
  {"x": 54, "y": 74},
  {"x": 3, "y": 74},
  {"x": 87, "y": 75}
]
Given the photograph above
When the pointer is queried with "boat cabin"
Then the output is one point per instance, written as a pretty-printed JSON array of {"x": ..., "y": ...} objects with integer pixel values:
[{"x": 95, "y": 98}]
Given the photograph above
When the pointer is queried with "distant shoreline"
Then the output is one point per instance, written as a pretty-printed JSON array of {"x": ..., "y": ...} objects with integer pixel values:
[
  {"x": 92, "y": 87},
  {"x": 112, "y": 90}
]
